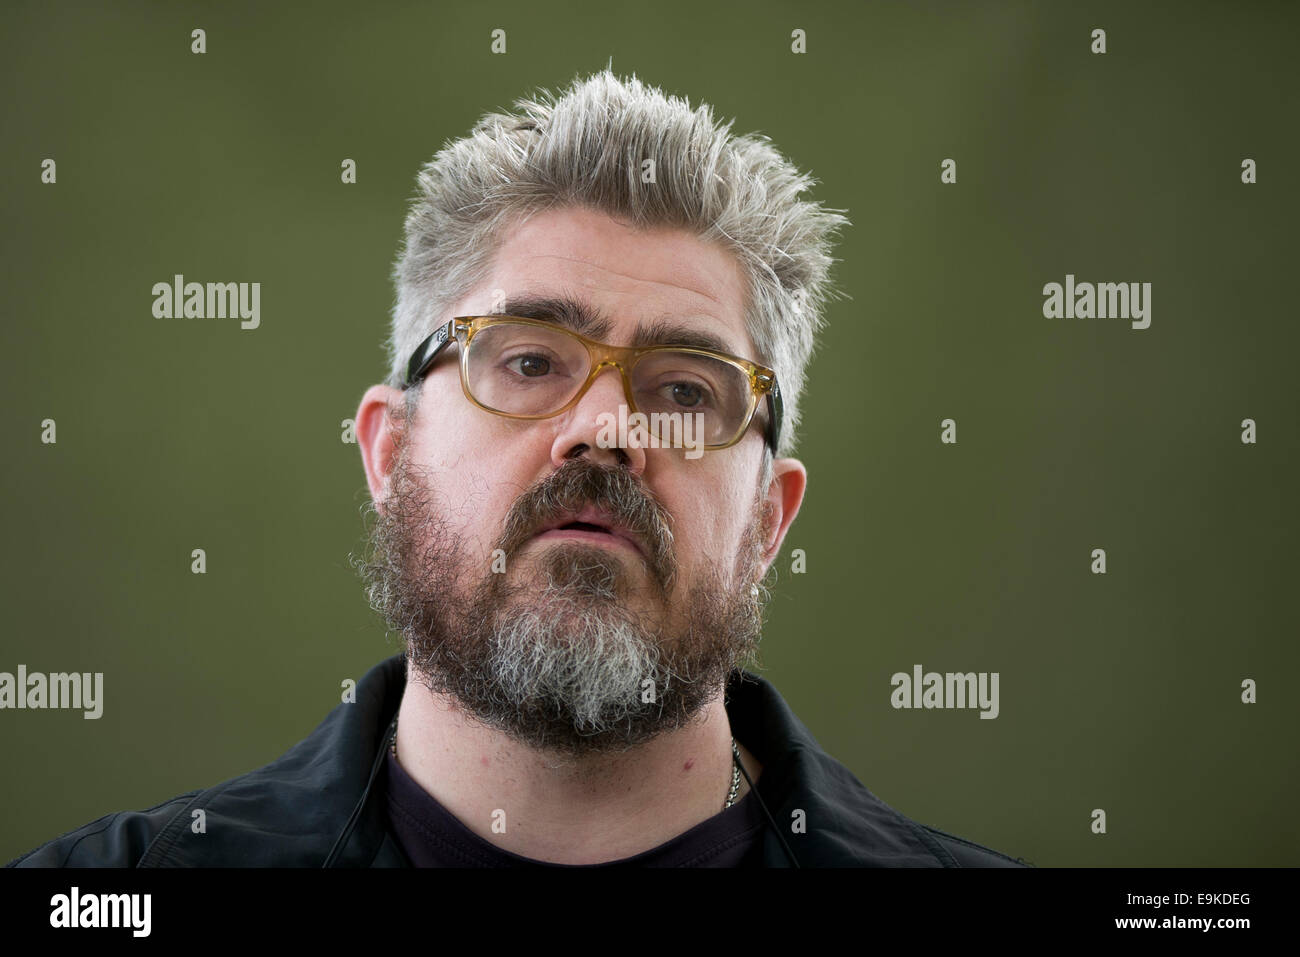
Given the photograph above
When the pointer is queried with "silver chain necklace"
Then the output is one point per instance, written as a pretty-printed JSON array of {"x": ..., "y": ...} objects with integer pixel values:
[
  {"x": 735, "y": 766},
  {"x": 735, "y": 775}
]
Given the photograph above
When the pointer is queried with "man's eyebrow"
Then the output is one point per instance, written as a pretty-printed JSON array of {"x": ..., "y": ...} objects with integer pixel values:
[
  {"x": 589, "y": 321},
  {"x": 669, "y": 332},
  {"x": 565, "y": 310}
]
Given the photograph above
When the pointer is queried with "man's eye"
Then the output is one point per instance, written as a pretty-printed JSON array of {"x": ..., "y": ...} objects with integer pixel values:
[
  {"x": 688, "y": 395},
  {"x": 530, "y": 366}
]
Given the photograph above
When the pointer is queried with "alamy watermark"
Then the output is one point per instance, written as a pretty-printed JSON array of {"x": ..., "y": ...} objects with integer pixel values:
[
  {"x": 948, "y": 690},
  {"x": 75, "y": 910},
  {"x": 670, "y": 430},
  {"x": 57, "y": 690},
  {"x": 1103, "y": 300},
  {"x": 179, "y": 299}
]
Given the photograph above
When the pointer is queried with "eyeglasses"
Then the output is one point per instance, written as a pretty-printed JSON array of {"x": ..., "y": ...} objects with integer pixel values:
[{"x": 532, "y": 369}]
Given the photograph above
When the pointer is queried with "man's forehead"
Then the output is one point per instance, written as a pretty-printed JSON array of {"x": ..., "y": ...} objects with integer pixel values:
[{"x": 609, "y": 281}]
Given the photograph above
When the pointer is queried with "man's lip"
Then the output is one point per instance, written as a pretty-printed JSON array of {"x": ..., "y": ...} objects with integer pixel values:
[
  {"x": 599, "y": 538},
  {"x": 592, "y": 516}
]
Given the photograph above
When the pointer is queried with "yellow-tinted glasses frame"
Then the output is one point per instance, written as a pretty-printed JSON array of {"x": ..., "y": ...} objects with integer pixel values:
[{"x": 762, "y": 381}]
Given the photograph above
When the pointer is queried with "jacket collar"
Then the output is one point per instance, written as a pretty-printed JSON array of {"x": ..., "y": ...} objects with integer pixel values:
[{"x": 322, "y": 802}]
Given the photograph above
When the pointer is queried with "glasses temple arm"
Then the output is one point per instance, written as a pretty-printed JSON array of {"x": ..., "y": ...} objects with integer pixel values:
[
  {"x": 428, "y": 351},
  {"x": 774, "y": 423}
]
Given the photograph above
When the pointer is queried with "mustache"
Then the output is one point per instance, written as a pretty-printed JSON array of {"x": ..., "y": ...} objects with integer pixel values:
[{"x": 578, "y": 483}]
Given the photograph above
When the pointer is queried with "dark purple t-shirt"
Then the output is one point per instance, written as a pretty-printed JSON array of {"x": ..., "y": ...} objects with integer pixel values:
[{"x": 431, "y": 836}]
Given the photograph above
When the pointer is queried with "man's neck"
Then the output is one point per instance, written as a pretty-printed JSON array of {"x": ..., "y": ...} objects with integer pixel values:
[{"x": 571, "y": 811}]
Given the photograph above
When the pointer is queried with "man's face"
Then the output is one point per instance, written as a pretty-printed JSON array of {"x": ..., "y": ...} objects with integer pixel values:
[{"x": 576, "y": 639}]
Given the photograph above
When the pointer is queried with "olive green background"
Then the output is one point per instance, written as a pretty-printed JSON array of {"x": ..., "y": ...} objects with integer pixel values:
[{"x": 1118, "y": 691}]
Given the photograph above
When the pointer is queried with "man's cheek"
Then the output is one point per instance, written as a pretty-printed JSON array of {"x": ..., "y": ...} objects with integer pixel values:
[{"x": 487, "y": 522}]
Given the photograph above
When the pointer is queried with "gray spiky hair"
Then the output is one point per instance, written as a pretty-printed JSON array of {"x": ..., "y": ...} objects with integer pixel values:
[{"x": 586, "y": 148}]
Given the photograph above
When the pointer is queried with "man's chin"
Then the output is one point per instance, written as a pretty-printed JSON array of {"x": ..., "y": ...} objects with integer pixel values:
[{"x": 566, "y": 570}]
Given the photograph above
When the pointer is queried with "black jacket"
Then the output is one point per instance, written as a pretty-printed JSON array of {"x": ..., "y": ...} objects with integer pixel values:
[{"x": 320, "y": 803}]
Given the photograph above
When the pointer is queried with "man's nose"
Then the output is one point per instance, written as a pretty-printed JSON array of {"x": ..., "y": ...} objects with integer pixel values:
[{"x": 596, "y": 427}]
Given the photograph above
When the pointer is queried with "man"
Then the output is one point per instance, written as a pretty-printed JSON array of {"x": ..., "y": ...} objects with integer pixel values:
[{"x": 580, "y": 479}]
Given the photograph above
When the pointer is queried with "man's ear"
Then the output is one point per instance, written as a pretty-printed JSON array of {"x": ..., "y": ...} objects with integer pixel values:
[
  {"x": 376, "y": 434},
  {"x": 784, "y": 496}
]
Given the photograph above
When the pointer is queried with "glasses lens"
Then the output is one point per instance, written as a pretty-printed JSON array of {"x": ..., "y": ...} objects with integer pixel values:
[
  {"x": 671, "y": 385},
  {"x": 523, "y": 369}
]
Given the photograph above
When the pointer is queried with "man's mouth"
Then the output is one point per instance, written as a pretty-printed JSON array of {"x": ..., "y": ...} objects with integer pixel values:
[{"x": 592, "y": 525}]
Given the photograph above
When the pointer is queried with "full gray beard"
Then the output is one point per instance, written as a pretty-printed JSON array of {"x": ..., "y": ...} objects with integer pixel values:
[{"x": 555, "y": 658}]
